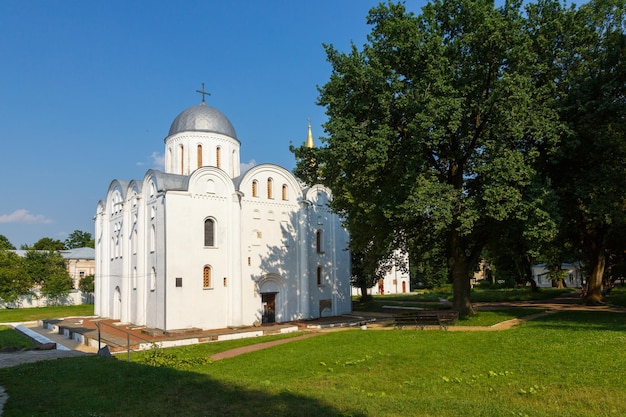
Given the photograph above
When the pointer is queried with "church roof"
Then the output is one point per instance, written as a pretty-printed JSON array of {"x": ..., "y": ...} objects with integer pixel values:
[{"x": 202, "y": 118}]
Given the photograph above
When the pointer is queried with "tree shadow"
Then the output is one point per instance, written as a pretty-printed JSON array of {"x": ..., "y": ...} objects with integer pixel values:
[
  {"x": 304, "y": 270},
  {"x": 97, "y": 386},
  {"x": 582, "y": 321}
]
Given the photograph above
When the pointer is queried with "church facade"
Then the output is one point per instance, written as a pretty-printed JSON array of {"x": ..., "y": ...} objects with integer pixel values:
[{"x": 201, "y": 245}]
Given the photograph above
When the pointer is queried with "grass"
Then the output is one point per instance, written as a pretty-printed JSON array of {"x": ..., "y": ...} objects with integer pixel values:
[
  {"x": 491, "y": 317},
  {"x": 567, "y": 364},
  {"x": 11, "y": 338},
  {"x": 30, "y": 314},
  {"x": 617, "y": 297},
  {"x": 429, "y": 299}
]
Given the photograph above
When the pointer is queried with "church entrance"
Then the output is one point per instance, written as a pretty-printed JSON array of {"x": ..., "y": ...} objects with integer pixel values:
[{"x": 269, "y": 307}]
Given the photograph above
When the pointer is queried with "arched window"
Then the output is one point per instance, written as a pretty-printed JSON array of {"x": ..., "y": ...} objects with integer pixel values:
[
  {"x": 152, "y": 238},
  {"x": 209, "y": 232},
  {"x": 319, "y": 275},
  {"x": 206, "y": 277},
  {"x": 284, "y": 191},
  {"x": 153, "y": 279},
  {"x": 255, "y": 191},
  {"x": 182, "y": 160},
  {"x": 270, "y": 185},
  {"x": 210, "y": 186},
  {"x": 318, "y": 241},
  {"x": 218, "y": 157},
  {"x": 199, "y": 156}
]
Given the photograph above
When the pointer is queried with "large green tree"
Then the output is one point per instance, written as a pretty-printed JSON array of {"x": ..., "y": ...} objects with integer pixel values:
[
  {"x": 5, "y": 243},
  {"x": 590, "y": 171},
  {"x": 14, "y": 279},
  {"x": 79, "y": 239},
  {"x": 45, "y": 244},
  {"x": 434, "y": 128}
]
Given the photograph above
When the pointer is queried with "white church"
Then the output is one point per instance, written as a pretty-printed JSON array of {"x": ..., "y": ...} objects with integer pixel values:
[{"x": 204, "y": 246}]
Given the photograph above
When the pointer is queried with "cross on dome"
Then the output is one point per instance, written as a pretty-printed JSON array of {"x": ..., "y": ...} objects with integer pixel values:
[{"x": 204, "y": 93}]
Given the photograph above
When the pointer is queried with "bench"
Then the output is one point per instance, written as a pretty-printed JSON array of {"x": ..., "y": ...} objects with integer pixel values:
[{"x": 421, "y": 319}]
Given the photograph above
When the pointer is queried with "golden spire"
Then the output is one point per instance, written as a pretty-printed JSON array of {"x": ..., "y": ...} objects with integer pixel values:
[{"x": 309, "y": 138}]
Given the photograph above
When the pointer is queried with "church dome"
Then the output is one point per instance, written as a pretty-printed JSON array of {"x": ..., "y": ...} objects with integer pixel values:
[{"x": 202, "y": 118}]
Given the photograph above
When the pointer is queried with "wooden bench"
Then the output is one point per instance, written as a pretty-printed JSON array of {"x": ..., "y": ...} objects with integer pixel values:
[{"x": 421, "y": 319}]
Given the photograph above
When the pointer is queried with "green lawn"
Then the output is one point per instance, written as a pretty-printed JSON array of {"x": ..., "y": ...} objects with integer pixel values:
[
  {"x": 617, "y": 296},
  {"x": 11, "y": 338},
  {"x": 30, "y": 314},
  {"x": 566, "y": 364},
  {"x": 427, "y": 298}
]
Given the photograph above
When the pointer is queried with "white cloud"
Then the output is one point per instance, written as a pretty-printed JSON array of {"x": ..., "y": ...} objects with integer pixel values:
[
  {"x": 158, "y": 161},
  {"x": 245, "y": 167},
  {"x": 23, "y": 216}
]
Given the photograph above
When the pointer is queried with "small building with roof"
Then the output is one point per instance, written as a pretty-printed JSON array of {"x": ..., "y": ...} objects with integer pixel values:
[{"x": 202, "y": 245}]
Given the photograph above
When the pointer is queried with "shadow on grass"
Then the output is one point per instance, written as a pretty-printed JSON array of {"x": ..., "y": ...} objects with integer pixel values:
[
  {"x": 93, "y": 386},
  {"x": 582, "y": 320}
]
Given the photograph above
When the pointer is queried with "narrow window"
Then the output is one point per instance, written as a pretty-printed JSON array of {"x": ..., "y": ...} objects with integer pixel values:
[
  {"x": 270, "y": 185},
  {"x": 209, "y": 232},
  {"x": 206, "y": 277},
  {"x": 255, "y": 191},
  {"x": 284, "y": 191},
  {"x": 318, "y": 241},
  {"x": 179, "y": 281},
  {"x": 153, "y": 279},
  {"x": 218, "y": 157},
  {"x": 152, "y": 238},
  {"x": 225, "y": 281},
  {"x": 319, "y": 275},
  {"x": 249, "y": 261},
  {"x": 182, "y": 161},
  {"x": 199, "y": 156}
]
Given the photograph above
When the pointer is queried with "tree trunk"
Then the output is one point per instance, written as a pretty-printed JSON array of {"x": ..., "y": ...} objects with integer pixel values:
[
  {"x": 460, "y": 269},
  {"x": 533, "y": 284},
  {"x": 364, "y": 296},
  {"x": 594, "y": 284},
  {"x": 595, "y": 243}
]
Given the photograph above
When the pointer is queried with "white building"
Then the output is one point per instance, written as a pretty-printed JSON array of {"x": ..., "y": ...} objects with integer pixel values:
[
  {"x": 202, "y": 246},
  {"x": 395, "y": 281},
  {"x": 573, "y": 275}
]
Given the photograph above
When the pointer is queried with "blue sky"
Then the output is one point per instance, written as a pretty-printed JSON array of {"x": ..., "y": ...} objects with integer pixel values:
[{"x": 88, "y": 90}]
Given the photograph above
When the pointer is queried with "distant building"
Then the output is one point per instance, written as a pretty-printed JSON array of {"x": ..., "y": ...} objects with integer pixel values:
[
  {"x": 395, "y": 281},
  {"x": 572, "y": 279},
  {"x": 203, "y": 245},
  {"x": 80, "y": 262}
]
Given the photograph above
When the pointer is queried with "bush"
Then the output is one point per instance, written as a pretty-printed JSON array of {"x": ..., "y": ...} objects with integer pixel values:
[{"x": 499, "y": 284}]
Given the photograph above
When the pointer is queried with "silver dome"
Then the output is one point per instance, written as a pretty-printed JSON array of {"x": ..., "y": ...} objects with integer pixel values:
[{"x": 202, "y": 118}]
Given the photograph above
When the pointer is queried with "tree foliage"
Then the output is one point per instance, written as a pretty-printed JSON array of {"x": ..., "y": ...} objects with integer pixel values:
[
  {"x": 5, "y": 243},
  {"x": 87, "y": 284},
  {"x": 79, "y": 239},
  {"x": 435, "y": 128},
  {"x": 590, "y": 171},
  {"x": 45, "y": 244},
  {"x": 14, "y": 279}
]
